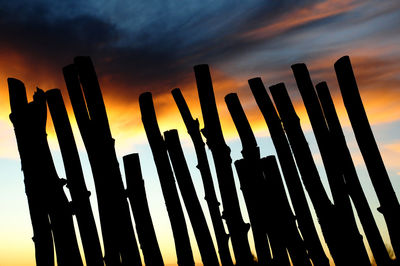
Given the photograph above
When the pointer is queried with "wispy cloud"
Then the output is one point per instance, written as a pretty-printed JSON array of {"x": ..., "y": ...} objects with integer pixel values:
[
  {"x": 302, "y": 16},
  {"x": 152, "y": 46}
]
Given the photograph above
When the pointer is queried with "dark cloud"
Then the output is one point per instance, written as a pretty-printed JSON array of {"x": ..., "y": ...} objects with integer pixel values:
[
  {"x": 50, "y": 42},
  {"x": 137, "y": 43},
  {"x": 152, "y": 45}
]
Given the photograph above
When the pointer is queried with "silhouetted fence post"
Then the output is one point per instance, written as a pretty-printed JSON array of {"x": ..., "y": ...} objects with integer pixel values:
[
  {"x": 189, "y": 196},
  {"x": 167, "y": 181},
  {"x": 328, "y": 216},
  {"x": 251, "y": 178},
  {"x": 193, "y": 129},
  {"x": 59, "y": 208},
  {"x": 75, "y": 179},
  {"x": 262, "y": 226},
  {"x": 34, "y": 116},
  {"x": 118, "y": 235},
  {"x": 356, "y": 192},
  {"x": 390, "y": 207},
  {"x": 35, "y": 187},
  {"x": 270, "y": 196},
  {"x": 269, "y": 200},
  {"x": 223, "y": 165},
  {"x": 354, "y": 243},
  {"x": 140, "y": 209},
  {"x": 285, "y": 219},
  {"x": 295, "y": 188},
  {"x": 260, "y": 179}
]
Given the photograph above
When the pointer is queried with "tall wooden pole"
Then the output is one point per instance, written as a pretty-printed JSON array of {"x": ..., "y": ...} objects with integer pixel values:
[
  {"x": 100, "y": 127},
  {"x": 285, "y": 220},
  {"x": 251, "y": 181},
  {"x": 35, "y": 187},
  {"x": 328, "y": 216},
  {"x": 223, "y": 165},
  {"x": 292, "y": 178},
  {"x": 192, "y": 126},
  {"x": 167, "y": 181},
  {"x": 140, "y": 210},
  {"x": 75, "y": 179},
  {"x": 118, "y": 234},
  {"x": 262, "y": 226},
  {"x": 189, "y": 196},
  {"x": 108, "y": 223},
  {"x": 262, "y": 181},
  {"x": 34, "y": 117},
  {"x": 334, "y": 172},
  {"x": 356, "y": 192},
  {"x": 390, "y": 207}
]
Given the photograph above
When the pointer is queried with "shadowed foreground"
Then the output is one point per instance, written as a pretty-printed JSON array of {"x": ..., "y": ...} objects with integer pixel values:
[{"x": 287, "y": 235}]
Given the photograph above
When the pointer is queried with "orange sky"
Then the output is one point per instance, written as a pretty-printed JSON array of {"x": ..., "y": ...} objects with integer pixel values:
[{"x": 239, "y": 43}]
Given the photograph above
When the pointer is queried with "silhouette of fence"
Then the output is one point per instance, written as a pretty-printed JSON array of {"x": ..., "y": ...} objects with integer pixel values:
[{"x": 282, "y": 235}]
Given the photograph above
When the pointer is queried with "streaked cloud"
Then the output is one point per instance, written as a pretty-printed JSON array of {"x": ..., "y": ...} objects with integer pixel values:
[
  {"x": 301, "y": 16},
  {"x": 152, "y": 46}
]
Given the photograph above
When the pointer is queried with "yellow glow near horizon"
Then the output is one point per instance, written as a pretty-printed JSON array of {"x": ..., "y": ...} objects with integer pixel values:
[{"x": 16, "y": 247}]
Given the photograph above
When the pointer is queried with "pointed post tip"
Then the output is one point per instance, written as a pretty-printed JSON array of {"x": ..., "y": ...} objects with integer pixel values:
[
  {"x": 298, "y": 65},
  {"x": 147, "y": 110},
  {"x": 84, "y": 64},
  {"x": 17, "y": 94},
  {"x": 256, "y": 79},
  {"x": 68, "y": 68},
  {"x": 53, "y": 93},
  {"x": 131, "y": 156},
  {"x": 230, "y": 96},
  {"x": 145, "y": 96},
  {"x": 343, "y": 60},
  {"x": 321, "y": 84},
  {"x": 300, "y": 70},
  {"x": 255, "y": 82},
  {"x": 16, "y": 88},
  {"x": 277, "y": 86},
  {"x": 39, "y": 95},
  {"x": 14, "y": 81},
  {"x": 203, "y": 75},
  {"x": 201, "y": 67},
  {"x": 170, "y": 133},
  {"x": 175, "y": 91},
  {"x": 39, "y": 90}
]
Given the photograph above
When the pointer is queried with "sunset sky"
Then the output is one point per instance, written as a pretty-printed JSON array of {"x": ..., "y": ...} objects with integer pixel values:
[{"x": 152, "y": 45}]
